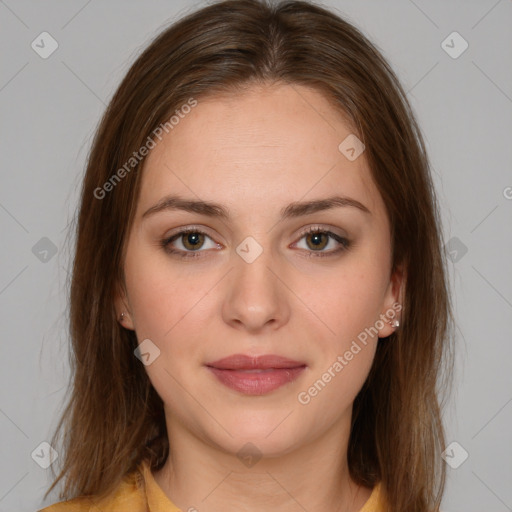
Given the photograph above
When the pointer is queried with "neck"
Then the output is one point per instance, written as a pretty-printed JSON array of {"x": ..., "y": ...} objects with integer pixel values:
[{"x": 199, "y": 476}]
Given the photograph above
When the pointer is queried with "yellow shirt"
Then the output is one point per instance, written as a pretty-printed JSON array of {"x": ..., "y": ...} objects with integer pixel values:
[{"x": 139, "y": 492}]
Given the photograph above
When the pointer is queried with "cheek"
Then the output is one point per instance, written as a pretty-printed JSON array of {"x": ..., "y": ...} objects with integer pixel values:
[
  {"x": 345, "y": 302},
  {"x": 159, "y": 294},
  {"x": 170, "y": 306},
  {"x": 343, "y": 359},
  {"x": 166, "y": 308},
  {"x": 334, "y": 390}
]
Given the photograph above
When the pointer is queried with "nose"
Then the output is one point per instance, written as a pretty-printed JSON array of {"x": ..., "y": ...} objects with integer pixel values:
[{"x": 256, "y": 298}]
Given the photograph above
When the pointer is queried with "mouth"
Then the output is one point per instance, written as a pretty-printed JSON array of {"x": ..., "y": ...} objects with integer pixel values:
[{"x": 256, "y": 375}]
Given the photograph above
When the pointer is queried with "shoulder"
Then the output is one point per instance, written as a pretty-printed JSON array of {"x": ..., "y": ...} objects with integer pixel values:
[
  {"x": 128, "y": 495},
  {"x": 375, "y": 502}
]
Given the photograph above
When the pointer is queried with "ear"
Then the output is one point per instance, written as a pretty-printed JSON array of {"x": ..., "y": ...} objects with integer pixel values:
[
  {"x": 393, "y": 302},
  {"x": 122, "y": 308}
]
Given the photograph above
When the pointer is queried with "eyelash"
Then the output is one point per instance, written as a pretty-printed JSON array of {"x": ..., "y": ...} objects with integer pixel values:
[{"x": 345, "y": 244}]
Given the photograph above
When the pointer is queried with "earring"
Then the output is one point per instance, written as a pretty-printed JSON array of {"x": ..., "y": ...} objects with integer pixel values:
[
  {"x": 121, "y": 318},
  {"x": 395, "y": 323}
]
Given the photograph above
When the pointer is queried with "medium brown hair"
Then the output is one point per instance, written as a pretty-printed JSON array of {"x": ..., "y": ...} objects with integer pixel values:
[{"x": 114, "y": 418}]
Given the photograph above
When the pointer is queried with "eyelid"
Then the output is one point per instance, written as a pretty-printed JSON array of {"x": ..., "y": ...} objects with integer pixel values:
[
  {"x": 191, "y": 228},
  {"x": 201, "y": 229},
  {"x": 178, "y": 232},
  {"x": 323, "y": 229}
]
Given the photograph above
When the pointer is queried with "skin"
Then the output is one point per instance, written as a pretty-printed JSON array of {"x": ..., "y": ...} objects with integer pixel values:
[{"x": 255, "y": 153}]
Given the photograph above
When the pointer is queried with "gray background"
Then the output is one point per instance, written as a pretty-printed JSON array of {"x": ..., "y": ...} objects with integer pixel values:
[{"x": 49, "y": 111}]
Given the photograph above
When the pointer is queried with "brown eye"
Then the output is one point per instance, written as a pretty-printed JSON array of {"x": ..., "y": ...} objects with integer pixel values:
[
  {"x": 189, "y": 243},
  {"x": 193, "y": 240},
  {"x": 319, "y": 240}
]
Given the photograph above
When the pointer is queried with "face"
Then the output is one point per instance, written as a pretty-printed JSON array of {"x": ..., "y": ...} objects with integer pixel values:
[{"x": 265, "y": 279}]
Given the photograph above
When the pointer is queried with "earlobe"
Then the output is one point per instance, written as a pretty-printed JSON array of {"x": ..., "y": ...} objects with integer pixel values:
[
  {"x": 122, "y": 310},
  {"x": 125, "y": 320},
  {"x": 391, "y": 317}
]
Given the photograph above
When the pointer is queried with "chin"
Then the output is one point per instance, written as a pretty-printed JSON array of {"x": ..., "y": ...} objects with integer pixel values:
[{"x": 269, "y": 435}]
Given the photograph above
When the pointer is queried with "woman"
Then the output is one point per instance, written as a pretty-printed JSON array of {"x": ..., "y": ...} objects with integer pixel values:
[{"x": 259, "y": 309}]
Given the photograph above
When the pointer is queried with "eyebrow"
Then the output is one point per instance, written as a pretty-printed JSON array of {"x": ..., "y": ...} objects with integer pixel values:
[{"x": 293, "y": 210}]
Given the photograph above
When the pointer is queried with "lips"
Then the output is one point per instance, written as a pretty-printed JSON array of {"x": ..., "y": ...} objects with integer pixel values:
[
  {"x": 256, "y": 375},
  {"x": 243, "y": 362}
]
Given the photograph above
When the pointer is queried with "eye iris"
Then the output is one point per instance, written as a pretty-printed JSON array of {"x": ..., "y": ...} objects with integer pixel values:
[
  {"x": 316, "y": 237},
  {"x": 195, "y": 239}
]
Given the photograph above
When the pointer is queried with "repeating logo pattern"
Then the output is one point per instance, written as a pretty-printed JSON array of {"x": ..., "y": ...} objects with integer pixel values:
[{"x": 460, "y": 55}]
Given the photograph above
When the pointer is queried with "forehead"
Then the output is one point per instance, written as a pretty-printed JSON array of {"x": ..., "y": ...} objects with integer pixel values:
[{"x": 271, "y": 145}]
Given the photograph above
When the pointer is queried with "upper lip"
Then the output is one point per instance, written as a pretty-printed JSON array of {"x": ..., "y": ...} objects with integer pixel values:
[{"x": 247, "y": 362}]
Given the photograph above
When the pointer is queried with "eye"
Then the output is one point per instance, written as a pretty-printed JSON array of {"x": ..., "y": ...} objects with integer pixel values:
[
  {"x": 191, "y": 241},
  {"x": 318, "y": 239}
]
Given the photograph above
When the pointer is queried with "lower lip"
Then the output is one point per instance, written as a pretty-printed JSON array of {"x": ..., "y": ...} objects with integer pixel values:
[{"x": 257, "y": 383}]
